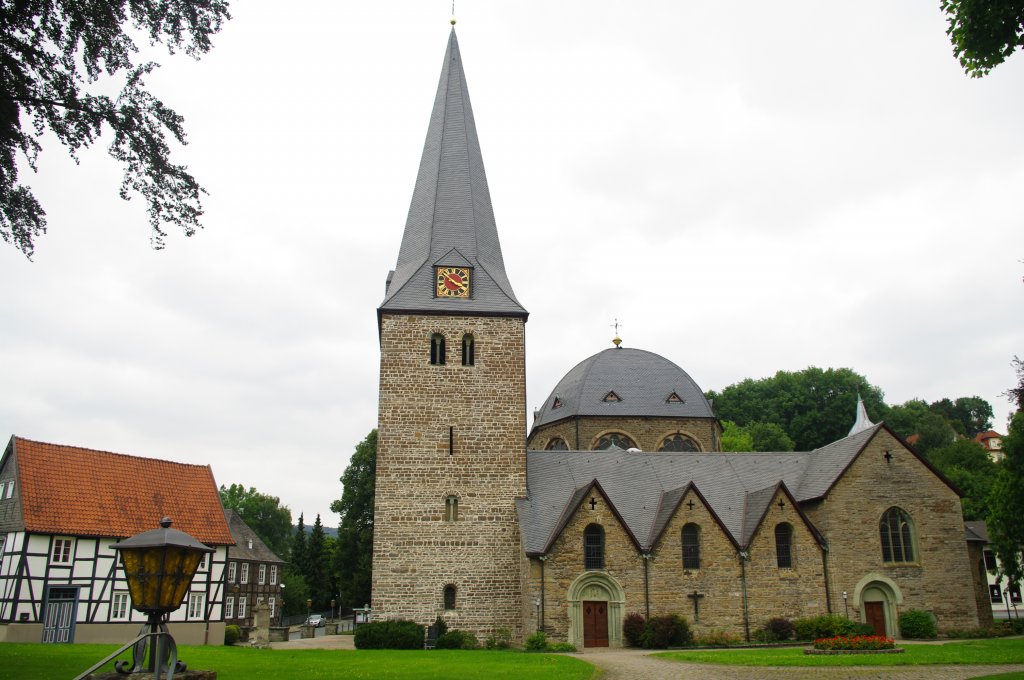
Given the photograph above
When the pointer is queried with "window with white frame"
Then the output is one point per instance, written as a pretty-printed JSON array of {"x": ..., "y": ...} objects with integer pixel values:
[
  {"x": 232, "y": 566},
  {"x": 242, "y": 601},
  {"x": 202, "y": 563},
  {"x": 3, "y": 543},
  {"x": 262, "y": 576},
  {"x": 3, "y": 488},
  {"x": 119, "y": 606},
  {"x": 273, "y": 574},
  {"x": 195, "y": 605},
  {"x": 273, "y": 605},
  {"x": 62, "y": 548},
  {"x": 10, "y": 489},
  {"x": 245, "y": 572},
  {"x": 229, "y": 608}
]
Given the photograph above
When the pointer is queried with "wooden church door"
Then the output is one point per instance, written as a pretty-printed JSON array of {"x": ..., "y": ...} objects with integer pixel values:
[
  {"x": 595, "y": 624},
  {"x": 874, "y": 612}
]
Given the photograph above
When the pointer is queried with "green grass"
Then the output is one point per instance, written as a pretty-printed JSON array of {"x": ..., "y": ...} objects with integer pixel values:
[
  {"x": 44, "y": 662},
  {"x": 1002, "y": 651}
]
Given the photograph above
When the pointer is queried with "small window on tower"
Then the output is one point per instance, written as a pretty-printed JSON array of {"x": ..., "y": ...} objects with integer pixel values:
[
  {"x": 449, "y": 597},
  {"x": 437, "y": 349},
  {"x": 468, "y": 350},
  {"x": 451, "y": 509}
]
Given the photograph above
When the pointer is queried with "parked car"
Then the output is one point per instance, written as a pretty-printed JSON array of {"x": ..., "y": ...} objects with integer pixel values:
[{"x": 315, "y": 620}]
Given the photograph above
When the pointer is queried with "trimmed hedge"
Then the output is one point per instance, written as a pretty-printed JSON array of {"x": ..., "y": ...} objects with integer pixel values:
[
  {"x": 456, "y": 639},
  {"x": 827, "y": 626},
  {"x": 917, "y": 625},
  {"x": 232, "y": 634},
  {"x": 389, "y": 635}
]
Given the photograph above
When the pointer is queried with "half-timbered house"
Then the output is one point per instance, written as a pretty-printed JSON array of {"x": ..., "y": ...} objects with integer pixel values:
[{"x": 62, "y": 509}]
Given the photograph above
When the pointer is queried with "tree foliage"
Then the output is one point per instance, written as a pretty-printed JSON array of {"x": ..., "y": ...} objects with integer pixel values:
[
  {"x": 754, "y": 437},
  {"x": 1006, "y": 504},
  {"x": 1016, "y": 394},
  {"x": 298, "y": 552},
  {"x": 317, "y": 572},
  {"x": 813, "y": 406},
  {"x": 916, "y": 421},
  {"x": 52, "y": 57},
  {"x": 264, "y": 514},
  {"x": 735, "y": 438},
  {"x": 969, "y": 416},
  {"x": 984, "y": 32},
  {"x": 969, "y": 467},
  {"x": 354, "y": 554}
]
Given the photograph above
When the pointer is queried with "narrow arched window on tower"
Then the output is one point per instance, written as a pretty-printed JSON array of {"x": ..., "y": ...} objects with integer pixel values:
[
  {"x": 691, "y": 546},
  {"x": 451, "y": 509},
  {"x": 784, "y": 545},
  {"x": 437, "y": 349},
  {"x": 468, "y": 350},
  {"x": 449, "y": 597}
]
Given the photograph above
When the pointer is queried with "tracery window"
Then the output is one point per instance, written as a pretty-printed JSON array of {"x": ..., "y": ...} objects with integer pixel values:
[
  {"x": 691, "y": 546},
  {"x": 784, "y": 545},
  {"x": 679, "y": 442},
  {"x": 897, "y": 533},
  {"x": 614, "y": 439},
  {"x": 437, "y": 349},
  {"x": 557, "y": 444},
  {"x": 468, "y": 350},
  {"x": 593, "y": 547}
]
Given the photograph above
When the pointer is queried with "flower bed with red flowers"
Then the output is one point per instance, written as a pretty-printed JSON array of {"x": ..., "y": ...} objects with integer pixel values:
[{"x": 854, "y": 644}]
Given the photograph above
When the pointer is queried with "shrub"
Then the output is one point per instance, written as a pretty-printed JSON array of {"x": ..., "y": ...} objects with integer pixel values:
[
  {"x": 389, "y": 635},
  {"x": 825, "y": 626},
  {"x": 562, "y": 647},
  {"x": 779, "y": 629},
  {"x": 232, "y": 633},
  {"x": 1016, "y": 626},
  {"x": 633, "y": 629},
  {"x": 456, "y": 639},
  {"x": 969, "y": 633},
  {"x": 502, "y": 639},
  {"x": 538, "y": 642},
  {"x": 717, "y": 637},
  {"x": 670, "y": 630},
  {"x": 857, "y": 642},
  {"x": 916, "y": 624},
  {"x": 441, "y": 626}
]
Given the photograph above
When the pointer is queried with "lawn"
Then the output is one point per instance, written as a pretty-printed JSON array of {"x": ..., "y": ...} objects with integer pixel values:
[
  {"x": 45, "y": 662},
  {"x": 1000, "y": 651}
]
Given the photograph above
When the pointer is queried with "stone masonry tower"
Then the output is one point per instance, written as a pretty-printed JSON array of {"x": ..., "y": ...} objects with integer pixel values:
[{"x": 451, "y": 450}]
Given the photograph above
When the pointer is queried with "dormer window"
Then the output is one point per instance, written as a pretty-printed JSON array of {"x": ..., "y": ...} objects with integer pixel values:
[
  {"x": 557, "y": 403},
  {"x": 611, "y": 397},
  {"x": 674, "y": 399}
]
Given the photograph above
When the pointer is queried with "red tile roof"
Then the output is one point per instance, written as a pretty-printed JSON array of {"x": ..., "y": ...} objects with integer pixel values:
[{"x": 81, "y": 492}]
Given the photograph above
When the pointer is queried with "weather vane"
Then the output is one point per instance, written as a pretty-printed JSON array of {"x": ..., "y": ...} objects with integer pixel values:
[{"x": 453, "y": 12}]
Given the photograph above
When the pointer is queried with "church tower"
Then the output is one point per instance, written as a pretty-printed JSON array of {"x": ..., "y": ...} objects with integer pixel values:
[{"x": 451, "y": 451}]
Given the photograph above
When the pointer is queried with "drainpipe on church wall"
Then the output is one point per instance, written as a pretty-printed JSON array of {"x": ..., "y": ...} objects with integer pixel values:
[
  {"x": 543, "y": 559},
  {"x": 577, "y": 433},
  {"x": 647, "y": 593},
  {"x": 744, "y": 556},
  {"x": 824, "y": 570}
]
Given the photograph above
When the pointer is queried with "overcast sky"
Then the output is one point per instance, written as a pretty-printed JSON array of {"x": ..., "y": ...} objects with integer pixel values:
[{"x": 748, "y": 187}]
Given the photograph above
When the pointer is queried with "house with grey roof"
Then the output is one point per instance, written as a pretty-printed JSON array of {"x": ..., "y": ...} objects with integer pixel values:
[
  {"x": 252, "y": 575},
  {"x": 620, "y": 500}
]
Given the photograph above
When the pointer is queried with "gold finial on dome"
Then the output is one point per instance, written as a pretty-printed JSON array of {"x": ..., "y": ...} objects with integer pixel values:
[
  {"x": 453, "y": 21},
  {"x": 453, "y": 12},
  {"x": 616, "y": 340}
]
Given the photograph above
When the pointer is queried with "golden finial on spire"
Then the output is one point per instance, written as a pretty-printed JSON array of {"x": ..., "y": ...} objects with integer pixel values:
[
  {"x": 616, "y": 340},
  {"x": 453, "y": 12}
]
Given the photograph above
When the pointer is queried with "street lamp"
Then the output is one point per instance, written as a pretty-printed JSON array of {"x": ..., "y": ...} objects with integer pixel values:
[
  {"x": 159, "y": 565},
  {"x": 846, "y": 607}
]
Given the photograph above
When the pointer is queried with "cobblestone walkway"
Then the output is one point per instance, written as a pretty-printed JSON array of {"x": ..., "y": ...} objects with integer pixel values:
[{"x": 629, "y": 664}]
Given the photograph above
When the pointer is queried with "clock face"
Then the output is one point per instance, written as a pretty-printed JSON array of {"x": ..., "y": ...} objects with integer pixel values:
[{"x": 452, "y": 282}]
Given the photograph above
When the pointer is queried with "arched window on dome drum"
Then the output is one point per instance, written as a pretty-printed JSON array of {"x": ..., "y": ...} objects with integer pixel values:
[
  {"x": 557, "y": 444},
  {"x": 784, "y": 545},
  {"x": 437, "y": 349},
  {"x": 614, "y": 439},
  {"x": 691, "y": 546},
  {"x": 468, "y": 350},
  {"x": 449, "y": 597},
  {"x": 593, "y": 547},
  {"x": 679, "y": 442},
  {"x": 897, "y": 533}
]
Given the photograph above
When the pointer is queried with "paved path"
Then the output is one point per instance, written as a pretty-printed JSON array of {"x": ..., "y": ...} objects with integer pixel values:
[{"x": 631, "y": 664}]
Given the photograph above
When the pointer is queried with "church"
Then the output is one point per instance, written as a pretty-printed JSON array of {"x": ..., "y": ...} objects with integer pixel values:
[{"x": 619, "y": 499}]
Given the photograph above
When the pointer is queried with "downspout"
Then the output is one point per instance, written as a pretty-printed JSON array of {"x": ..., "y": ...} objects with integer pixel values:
[
  {"x": 577, "y": 433},
  {"x": 647, "y": 592},
  {"x": 744, "y": 556},
  {"x": 824, "y": 570},
  {"x": 543, "y": 559}
]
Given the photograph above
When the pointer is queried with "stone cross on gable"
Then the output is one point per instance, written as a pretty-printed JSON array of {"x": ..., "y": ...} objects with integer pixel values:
[
  {"x": 593, "y": 504},
  {"x": 690, "y": 504}
]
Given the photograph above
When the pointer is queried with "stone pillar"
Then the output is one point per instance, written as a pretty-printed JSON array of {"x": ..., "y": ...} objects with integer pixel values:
[{"x": 260, "y": 636}]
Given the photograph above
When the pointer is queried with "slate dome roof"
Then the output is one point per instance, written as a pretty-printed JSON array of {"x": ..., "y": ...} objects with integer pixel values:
[{"x": 621, "y": 382}]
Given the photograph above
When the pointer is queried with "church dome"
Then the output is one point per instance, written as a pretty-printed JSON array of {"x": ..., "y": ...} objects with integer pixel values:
[{"x": 621, "y": 382}]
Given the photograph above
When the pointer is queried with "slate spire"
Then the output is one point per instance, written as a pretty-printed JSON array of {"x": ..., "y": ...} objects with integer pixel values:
[
  {"x": 862, "y": 422},
  {"x": 450, "y": 221}
]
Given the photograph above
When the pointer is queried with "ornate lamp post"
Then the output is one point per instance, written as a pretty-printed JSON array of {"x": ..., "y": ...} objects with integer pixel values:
[{"x": 159, "y": 565}]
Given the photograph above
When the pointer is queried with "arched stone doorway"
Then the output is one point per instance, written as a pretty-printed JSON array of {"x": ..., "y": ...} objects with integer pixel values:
[
  {"x": 877, "y": 597},
  {"x": 596, "y": 601}
]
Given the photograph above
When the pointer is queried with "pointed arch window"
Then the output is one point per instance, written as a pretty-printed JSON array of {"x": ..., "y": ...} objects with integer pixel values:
[
  {"x": 784, "y": 545},
  {"x": 557, "y": 444},
  {"x": 437, "y": 349},
  {"x": 593, "y": 547},
  {"x": 449, "y": 596},
  {"x": 468, "y": 350},
  {"x": 691, "y": 546},
  {"x": 614, "y": 439},
  {"x": 897, "y": 533},
  {"x": 679, "y": 442}
]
